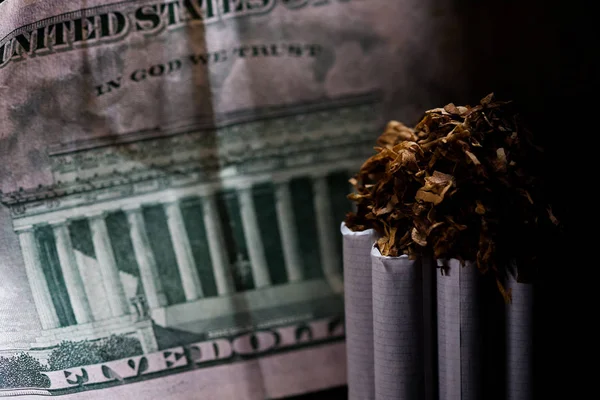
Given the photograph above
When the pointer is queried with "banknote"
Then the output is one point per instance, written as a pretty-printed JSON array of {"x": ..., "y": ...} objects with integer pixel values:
[{"x": 173, "y": 175}]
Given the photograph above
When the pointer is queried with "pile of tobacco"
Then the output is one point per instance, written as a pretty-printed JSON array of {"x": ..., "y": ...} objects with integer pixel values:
[{"x": 463, "y": 183}]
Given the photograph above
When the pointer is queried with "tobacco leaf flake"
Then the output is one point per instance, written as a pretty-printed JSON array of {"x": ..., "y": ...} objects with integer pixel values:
[
  {"x": 451, "y": 109},
  {"x": 487, "y": 99},
  {"x": 554, "y": 220},
  {"x": 457, "y": 185},
  {"x": 473, "y": 158},
  {"x": 479, "y": 208},
  {"x": 418, "y": 237}
]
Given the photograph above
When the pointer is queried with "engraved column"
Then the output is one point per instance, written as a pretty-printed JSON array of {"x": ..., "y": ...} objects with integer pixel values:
[
  {"x": 108, "y": 266},
  {"x": 155, "y": 295},
  {"x": 68, "y": 264},
  {"x": 183, "y": 252},
  {"x": 216, "y": 245},
  {"x": 256, "y": 251},
  {"x": 37, "y": 280},
  {"x": 287, "y": 230},
  {"x": 325, "y": 224}
]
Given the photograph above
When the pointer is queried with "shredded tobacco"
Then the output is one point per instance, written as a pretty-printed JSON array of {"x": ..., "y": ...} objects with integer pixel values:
[{"x": 463, "y": 183}]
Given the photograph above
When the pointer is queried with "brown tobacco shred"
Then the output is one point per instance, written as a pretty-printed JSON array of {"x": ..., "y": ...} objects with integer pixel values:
[{"x": 461, "y": 184}]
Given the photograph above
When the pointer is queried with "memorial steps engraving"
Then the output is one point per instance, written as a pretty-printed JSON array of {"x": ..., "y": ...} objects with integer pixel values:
[{"x": 170, "y": 251}]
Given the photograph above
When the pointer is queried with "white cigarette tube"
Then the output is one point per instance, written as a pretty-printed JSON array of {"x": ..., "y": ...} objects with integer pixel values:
[
  {"x": 459, "y": 331},
  {"x": 397, "y": 327},
  {"x": 519, "y": 341},
  {"x": 358, "y": 303}
]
